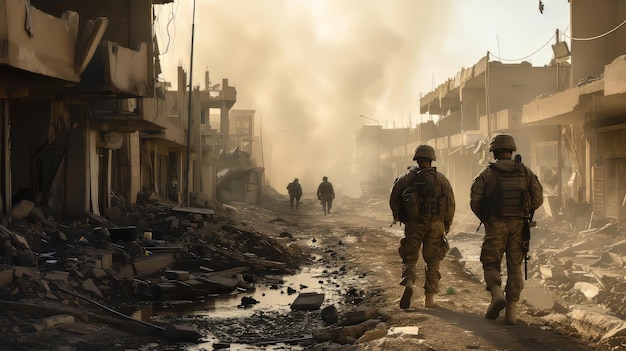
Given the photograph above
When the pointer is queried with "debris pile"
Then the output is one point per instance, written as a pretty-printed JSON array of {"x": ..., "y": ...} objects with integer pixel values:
[{"x": 138, "y": 251}]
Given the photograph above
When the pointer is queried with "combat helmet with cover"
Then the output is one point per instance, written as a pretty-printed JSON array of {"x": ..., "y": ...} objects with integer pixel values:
[
  {"x": 425, "y": 151},
  {"x": 502, "y": 141}
]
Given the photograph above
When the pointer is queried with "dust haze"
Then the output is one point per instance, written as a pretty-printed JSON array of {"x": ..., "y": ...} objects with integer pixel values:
[{"x": 311, "y": 68}]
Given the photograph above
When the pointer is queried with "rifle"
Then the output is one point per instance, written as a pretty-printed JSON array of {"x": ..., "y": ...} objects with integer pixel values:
[
  {"x": 528, "y": 222},
  {"x": 526, "y": 241}
]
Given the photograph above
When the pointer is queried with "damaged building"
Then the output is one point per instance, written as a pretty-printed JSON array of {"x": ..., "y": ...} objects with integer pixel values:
[
  {"x": 567, "y": 117},
  {"x": 85, "y": 114}
]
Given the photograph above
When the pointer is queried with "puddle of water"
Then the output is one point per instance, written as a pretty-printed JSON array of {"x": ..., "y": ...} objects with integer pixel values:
[
  {"x": 271, "y": 293},
  {"x": 244, "y": 347}
]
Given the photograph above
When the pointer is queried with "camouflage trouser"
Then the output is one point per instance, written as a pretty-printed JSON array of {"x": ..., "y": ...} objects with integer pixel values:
[
  {"x": 504, "y": 236},
  {"x": 429, "y": 234}
]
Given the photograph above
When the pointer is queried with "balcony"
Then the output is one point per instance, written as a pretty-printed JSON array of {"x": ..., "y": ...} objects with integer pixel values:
[
  {"x": 508, "y": 119},
  {"x": 126, "y": 70},
  {"x": 465, "y": 139},
  {"x": 129, "y": 115},
  {"x": 37, "y": 42}
]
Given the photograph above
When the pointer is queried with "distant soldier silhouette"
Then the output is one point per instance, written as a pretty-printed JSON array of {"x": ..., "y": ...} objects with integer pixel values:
[
  {"x": 295, "y": 192},
  {"x": 326, "y": 194}
]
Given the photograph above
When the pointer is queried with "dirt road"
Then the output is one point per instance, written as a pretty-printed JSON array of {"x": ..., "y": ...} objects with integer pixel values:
[
  {"x": 369, "y": 249},
  {"x": 352, "y": 258}
]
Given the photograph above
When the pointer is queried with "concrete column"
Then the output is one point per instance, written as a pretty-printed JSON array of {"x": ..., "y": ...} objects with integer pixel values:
[{"x": 135, "y": 167}]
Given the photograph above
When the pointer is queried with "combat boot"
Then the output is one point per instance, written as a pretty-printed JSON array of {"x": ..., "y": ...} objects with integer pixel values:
[
  {"x": 408, "y": 280},
  {"x": 510, "y": 315},
  {"x": 498, "y": 302},
  {"x": 429, "y": 301},
  {"x": 405, "y": 300}
]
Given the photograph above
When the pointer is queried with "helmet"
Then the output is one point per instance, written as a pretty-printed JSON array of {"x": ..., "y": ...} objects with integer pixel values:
[
  {"x": 425, "y": 151},
  {"x": 502, "y": 141},
  {"x": 324, "y": 178}
]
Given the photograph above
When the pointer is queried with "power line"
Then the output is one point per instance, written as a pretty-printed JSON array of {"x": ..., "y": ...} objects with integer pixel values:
[
  {"x": 527, "y": 56},
  {"x": 597, "y": 36}
]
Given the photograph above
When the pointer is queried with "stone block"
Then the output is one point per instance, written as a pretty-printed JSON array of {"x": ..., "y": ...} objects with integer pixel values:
[
  {"x": 37, "y": 212},
  {"x": 22, "y": 240},
  {"x": 588, "y": 289},
  {"x": 89, "y": 286},
  {"x": 549, "y": 271},
  {"x": 106, "y": 260},
  {"x": 6, "y": 278},
  {"x": 53, "y": 322},
  {"x": 22, "y": 209},
  {"x": 177, "y": 275},
  {"x": 330, "y": 315},
  {"x": 308, "y": 301},
  {"x": 126, "y": 271},
  {"x": 360, "y": 316},
  {"x": 271, "y": 264},
  {"x": 154, "y": 263},
  {"x": 99, "y": 273},
  {"x": 372, "y": 334},
  {"x": 58, "y": 276}
]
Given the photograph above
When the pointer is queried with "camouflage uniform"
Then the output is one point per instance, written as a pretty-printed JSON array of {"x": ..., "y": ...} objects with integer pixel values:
[
  {"x": 501, "y": 196},
  {"x": 426, "y": 228}
]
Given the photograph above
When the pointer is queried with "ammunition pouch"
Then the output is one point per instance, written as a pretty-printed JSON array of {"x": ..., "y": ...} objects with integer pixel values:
[
  {"x": 415, "y": 206},
  {"x": 410, "y": 204}
]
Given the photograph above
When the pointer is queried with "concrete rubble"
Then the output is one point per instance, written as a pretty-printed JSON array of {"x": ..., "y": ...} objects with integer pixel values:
[
  {"x": 147, "y": 250},
  {"x": 577, "y": 275}
]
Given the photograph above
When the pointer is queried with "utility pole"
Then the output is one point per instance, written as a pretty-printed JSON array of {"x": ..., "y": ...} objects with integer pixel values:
[{"x": 189, "y": 112}]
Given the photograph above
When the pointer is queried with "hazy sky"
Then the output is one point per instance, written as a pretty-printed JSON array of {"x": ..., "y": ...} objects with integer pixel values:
[{"x": 311, "y": 67}]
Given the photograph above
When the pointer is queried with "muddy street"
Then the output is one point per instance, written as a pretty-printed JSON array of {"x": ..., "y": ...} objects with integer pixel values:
[
  {"x": 268, "y": 277},
  {"x": 354, "y": 263}
]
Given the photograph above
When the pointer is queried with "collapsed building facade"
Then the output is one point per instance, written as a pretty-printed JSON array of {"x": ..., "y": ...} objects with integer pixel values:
[
  {"x": 84, "y": 113},
  {"x": 567, "y": 118}
]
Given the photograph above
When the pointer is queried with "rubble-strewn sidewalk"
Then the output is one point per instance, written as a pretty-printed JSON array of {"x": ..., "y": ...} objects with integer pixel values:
[{"x": 55, "y": 275}]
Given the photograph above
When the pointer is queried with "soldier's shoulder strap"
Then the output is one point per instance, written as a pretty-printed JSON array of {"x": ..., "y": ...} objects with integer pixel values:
[{"x": 418, "y": 171}]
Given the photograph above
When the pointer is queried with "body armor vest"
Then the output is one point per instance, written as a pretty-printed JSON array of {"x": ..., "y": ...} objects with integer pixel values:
[
  {"x": 424, "y": 199},
  {"x": 510, "y": 197}
]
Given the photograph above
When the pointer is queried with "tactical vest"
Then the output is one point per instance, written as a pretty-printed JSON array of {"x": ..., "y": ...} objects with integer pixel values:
[
  {"x": 510, "y": 197},
  {"x": 424, "y": 199}
]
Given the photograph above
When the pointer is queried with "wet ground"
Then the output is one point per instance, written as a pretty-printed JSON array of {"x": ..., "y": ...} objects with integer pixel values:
[
  {"x": 261, "y": 317},
  {"x": 355, "y": 265},
  {"x": 351, "y": 257}
]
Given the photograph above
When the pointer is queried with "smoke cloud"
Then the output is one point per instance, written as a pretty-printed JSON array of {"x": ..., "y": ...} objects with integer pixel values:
[{"x": 311, "y": 68}]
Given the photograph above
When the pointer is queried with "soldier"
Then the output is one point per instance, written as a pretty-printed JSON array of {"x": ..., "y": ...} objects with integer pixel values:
[
  {"x": 326, "y": 194},
  {"x": 423, "y": 200},
  {"x": 295, "y": 192},
  {"x": 503, "y": 197}
]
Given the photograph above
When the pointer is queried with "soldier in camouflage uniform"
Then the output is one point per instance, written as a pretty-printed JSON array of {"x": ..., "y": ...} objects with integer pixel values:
[
  {"x": 422, "y": 199},
  {"x": 503, "y": 197}
]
